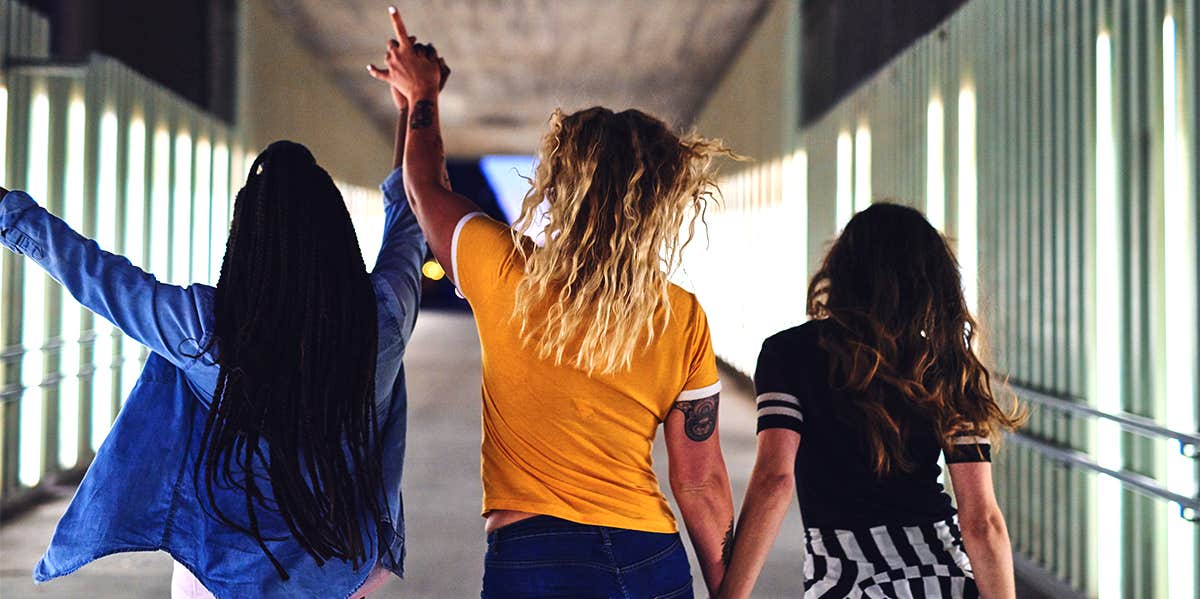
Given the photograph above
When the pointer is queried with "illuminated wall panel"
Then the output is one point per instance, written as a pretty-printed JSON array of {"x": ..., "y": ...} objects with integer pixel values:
[
  {"x": 845, "y": 179},
  {"x": 935, "y": 169},
  {"x": 967, "y": 232},
  {"x": 181, "y": 210},
  {"x": 72, "y": 322},
  {"x": 201, "y": 211},
  {"x": 33, "y": 330},
  {"x": 862, "y": 168},
  {"x": 1107, "y": 385},
  {"x": 106, "y": 236},
  {"x": 1179, "y": 295},
  {"x": 135, "y": 238}
]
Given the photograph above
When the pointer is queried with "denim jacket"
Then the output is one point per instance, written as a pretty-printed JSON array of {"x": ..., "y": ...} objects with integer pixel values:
[{"x": 139, "y": 493}]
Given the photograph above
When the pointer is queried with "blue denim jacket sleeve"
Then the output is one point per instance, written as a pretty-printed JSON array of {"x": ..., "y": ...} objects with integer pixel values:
[
  {"x": 165, "y": 318},
  {"x": 403, "y": 249}
]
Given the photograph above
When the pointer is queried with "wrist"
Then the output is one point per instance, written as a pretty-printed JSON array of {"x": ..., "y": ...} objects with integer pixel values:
[{"x": 423, "y": 93}]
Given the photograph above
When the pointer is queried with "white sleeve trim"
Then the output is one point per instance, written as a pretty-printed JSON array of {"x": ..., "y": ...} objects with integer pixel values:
[
  {"x": 701, "y": 393},
  {"x": 970, "y": 440},
  {"x": 454, "y": 245},
  {"x": 781, "y": 411},
  {"x": 775, "y": 396}
]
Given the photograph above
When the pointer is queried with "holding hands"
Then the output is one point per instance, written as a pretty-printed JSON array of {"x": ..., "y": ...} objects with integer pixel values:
[{"x": 414, "y": 70}]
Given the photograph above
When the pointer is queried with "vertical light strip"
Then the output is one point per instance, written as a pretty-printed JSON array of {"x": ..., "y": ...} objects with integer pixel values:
[
  {"x": 4, "y": 132},
  {"x": 181, "y": 211},
  {"x": 862, "y": 168},
  {"x": 1179, "y": 294},
  {"x": 201, "y": 211},
  {"x": 33, "y": 321},
  {"x": 935, "y": 164},
  {"x": 799, "y": 228},
  {"x": 135, "y": 229},
  {"x": 845, "y": 179},
  {"x": 220, "y": 210},
  {"x": 1106, "y": 373},
  {"x": 4, "y": 256},
  {"x": 160, "y": 207},
  {"x": 72, "y": 313},
  {"x": 967, "y": 229},
  {"x": 106, "y": 236}
]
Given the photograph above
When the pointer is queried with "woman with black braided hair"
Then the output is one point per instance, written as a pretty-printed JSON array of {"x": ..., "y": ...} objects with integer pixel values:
[{"x": 264, "y": 442}]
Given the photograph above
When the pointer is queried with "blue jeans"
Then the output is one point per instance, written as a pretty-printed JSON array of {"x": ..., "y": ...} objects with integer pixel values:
[{"x": 547, "y": 557}]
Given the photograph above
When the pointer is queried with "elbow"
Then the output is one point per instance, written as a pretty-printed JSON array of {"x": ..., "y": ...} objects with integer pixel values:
[
  {"x": 773, "y": 484},
  {"x": 986, "y": 530}
]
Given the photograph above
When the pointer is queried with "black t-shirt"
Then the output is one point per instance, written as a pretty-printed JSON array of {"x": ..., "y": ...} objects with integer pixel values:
[{"x": 835, "y": 482}]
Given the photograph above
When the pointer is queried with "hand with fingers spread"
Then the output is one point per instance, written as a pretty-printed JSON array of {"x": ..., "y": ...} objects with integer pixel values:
[{"x": 413, "y": 69}]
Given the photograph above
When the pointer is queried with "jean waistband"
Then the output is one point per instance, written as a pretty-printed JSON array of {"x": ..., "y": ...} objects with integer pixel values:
[{"x": 538, "y": 525}]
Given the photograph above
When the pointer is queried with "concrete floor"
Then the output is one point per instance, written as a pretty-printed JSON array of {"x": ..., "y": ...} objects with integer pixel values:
[{"x": 441, "y": 492}]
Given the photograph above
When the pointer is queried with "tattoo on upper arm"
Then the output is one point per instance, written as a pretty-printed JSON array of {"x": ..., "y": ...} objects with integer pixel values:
[
  {"x": 422, "y": 115},
  {"x": 727, "y": 545},
  {"x": 699, "y": 417}
]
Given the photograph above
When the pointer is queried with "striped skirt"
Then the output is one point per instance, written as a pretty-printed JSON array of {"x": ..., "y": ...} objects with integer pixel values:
[{"x": 893, "y": 562}]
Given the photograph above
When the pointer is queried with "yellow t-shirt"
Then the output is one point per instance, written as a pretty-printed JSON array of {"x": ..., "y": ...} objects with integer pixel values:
[{"x": 557, "y": 441}]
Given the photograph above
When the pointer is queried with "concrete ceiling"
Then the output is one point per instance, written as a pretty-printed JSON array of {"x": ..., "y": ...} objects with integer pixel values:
[{"x": 515, "y": 61}]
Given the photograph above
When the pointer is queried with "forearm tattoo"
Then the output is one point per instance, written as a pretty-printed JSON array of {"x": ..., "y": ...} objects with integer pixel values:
[
  {"x": 422, "y": 115},
  {"x": 699, "y": 417},
  {"x": 727, "y": 545}
]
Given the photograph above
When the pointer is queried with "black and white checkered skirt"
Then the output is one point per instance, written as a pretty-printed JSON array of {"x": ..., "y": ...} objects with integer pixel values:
[{"x": 893, "y": 562}]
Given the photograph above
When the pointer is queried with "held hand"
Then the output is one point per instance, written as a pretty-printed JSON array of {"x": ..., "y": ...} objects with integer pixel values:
[{"x": 413, "y": 69}]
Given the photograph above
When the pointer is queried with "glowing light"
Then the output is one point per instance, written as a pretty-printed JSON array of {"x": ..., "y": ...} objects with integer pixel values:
[
  {"x": 160, "y": 206},
  {"x": 33, "y": 333},
  {"x": 201, "y": 212},
  {"x": 845, "y": 179},
  {"x": 1179, "y": 296},
  {"x": 935, "y": 164},
  {"x": 4, "y": 132},
  {"x": 967, "y": 231},
  {"x": 797, "y": 219},
  {"x": 73, "y": 200},
  {"x": 862, "y": 168},
  {"x": 106, "y": 236},
  {"x": 1106, "y": 373},
  {"x": 181, "y": 211},
  {"x": 432, "y": 270},
  {"x": 220, "y": 209},
  {"x": 135, "y": 226}
]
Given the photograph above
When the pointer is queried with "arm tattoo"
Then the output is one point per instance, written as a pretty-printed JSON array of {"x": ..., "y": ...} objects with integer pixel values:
[
  {"x": 422, "y": 115},
  {"x": 727, "y": 545},
  {"x": 699, "y": 417}
]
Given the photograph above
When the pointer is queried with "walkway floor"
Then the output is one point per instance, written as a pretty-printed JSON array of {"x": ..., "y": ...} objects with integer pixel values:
[{"x": 441, "y": 491}]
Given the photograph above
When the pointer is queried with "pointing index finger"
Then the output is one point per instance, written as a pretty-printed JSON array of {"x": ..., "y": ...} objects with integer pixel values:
[{"x": 401, "y": 31}]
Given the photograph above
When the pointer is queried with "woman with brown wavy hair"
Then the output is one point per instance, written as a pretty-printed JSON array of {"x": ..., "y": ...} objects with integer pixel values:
[
  {"x": 882, "y": 381},
  {"x": 587, "y": 350}
]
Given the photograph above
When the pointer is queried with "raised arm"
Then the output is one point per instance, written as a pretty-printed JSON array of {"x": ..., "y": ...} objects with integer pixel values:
[
  {"x": 417, "y": 72},
  {"x": 700, "y": 483},
  {"x": 403, "y": 247},
  {"x": 768, "y": 498},
  {"x": 168, "y": 319},
  {"x": 985, "y": 535}
]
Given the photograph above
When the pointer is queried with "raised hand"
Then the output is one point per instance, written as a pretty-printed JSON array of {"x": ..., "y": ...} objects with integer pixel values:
[{"x": 412, "y": 68}]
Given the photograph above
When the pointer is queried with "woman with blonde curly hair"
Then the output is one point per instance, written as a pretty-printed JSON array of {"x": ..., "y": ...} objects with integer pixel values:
[{"x": 587, "y": 349}]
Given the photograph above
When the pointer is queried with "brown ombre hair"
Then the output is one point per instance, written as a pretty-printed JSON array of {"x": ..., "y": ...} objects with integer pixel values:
[{"x": 903, "y": 331}]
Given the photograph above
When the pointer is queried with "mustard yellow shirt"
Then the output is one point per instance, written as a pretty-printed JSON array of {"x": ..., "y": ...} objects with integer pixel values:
[{"x": 560, "y": 442}]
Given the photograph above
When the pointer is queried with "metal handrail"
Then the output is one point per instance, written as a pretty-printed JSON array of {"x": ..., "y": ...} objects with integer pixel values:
[
  {"x": 1189, "y": 443},
  {"x": 1189, "y": 507}
]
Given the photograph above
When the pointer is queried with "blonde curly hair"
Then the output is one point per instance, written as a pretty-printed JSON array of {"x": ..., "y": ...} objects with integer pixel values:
[{"x": 613, "y": 192}]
